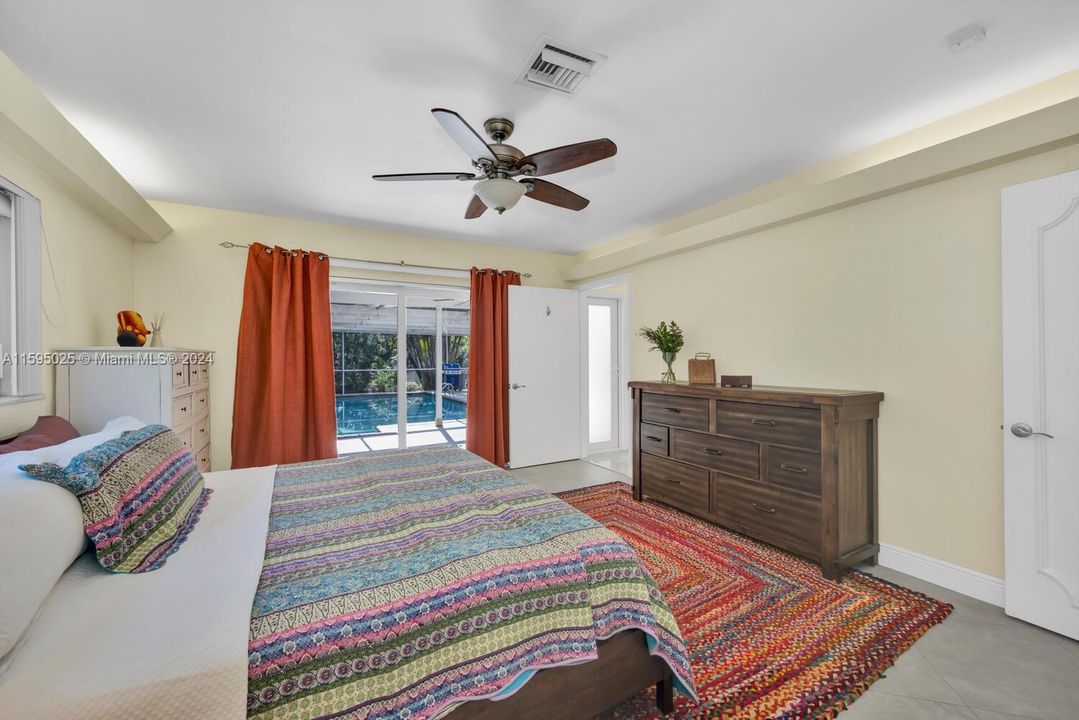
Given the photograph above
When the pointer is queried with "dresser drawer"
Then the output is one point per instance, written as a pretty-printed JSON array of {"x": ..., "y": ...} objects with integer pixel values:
[
  {"x": 687, "y": 412},
  {"x": 202, "y": 457},
  {"x": 202, "y": 402},
  {"x": 182, "y": 409},
  {"x": 794, "y": 469},
  {"x": 200, "y": 432},
  {"x": 769, "y": 423},
  {"x": 737, "y": 457},
  {"x": 654, "y": 439},
  {"x": 672, "y": 482},
  {"x": 787, "y": 520},
  {"x": 200, "y": 374},
  {"x": 185, "y": 436},
  {"x": 179, "y": 376}
]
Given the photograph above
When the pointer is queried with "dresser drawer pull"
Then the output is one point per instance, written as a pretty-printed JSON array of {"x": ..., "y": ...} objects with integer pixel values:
[
  {"x": 794, "y": 469},
  {"x": 653, "y": 438},
  {"x": 183, "y": 408},
  {"x": 763, "y": 509},
  {"x": 712, "y": 451},
  {"x": 674, "y": 410},
  {"x": 668, "y": 478},
  {"x": 767, "y": 423}
]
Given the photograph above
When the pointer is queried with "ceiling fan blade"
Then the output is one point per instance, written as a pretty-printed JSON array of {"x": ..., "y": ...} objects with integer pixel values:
[
  {"x": 463, "y": 134},
  {"x": 568, "y": 157},
  {"x": 425, "y": 176},
  {"x": 475, "y": 208},
  {"x": 555, "y": 195}
]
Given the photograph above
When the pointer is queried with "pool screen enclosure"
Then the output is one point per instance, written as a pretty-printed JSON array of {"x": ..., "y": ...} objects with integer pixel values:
[{"x": 400, "y": 364}]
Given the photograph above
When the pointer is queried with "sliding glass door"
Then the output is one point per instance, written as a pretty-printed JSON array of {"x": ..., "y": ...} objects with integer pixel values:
[
  {"x": 436, "y": 343},
  {"x": 401, "y": 364},
  {"x": 453, "y": 321},
  {"x": 365, "y": 367}
]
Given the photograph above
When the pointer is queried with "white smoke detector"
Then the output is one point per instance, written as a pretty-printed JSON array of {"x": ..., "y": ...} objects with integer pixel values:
[{"x": 558, "y": 67}]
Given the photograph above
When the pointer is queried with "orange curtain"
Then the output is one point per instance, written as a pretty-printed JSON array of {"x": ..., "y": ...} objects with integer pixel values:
[
  {"x": 283, "y": 411},
  {"x": 487, "y": 412}
]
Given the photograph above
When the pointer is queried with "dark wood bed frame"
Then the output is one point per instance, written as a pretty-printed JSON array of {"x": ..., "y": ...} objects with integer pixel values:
[{"x": 576, "y": 692}]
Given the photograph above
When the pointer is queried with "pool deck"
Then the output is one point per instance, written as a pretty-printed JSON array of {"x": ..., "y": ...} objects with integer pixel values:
[{"x": 418, "y": 434}]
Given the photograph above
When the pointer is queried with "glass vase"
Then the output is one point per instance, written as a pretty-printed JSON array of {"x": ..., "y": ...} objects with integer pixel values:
[{"x": 668, "y": 377}]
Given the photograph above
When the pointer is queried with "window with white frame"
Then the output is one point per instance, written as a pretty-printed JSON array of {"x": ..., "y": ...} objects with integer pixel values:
[{"x": 20, "y": 294}]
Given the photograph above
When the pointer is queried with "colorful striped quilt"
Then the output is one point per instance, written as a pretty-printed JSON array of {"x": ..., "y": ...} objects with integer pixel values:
[{"x": 399, "y": 584}]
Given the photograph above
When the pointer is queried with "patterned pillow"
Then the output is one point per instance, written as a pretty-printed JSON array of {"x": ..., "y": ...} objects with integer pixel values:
[{"x": 141, "y": 496}]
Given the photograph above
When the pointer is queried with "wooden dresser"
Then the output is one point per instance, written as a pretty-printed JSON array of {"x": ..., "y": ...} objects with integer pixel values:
[
  {"x": 168, "y": 386},
  {"x": 796, "y": 468}
]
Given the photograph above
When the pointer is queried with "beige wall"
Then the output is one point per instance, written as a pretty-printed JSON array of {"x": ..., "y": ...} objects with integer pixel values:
[
  {"x": 901, "y": 295},
  {"x": 94, "y": 270},
  {"x": 200, "y": 285}
]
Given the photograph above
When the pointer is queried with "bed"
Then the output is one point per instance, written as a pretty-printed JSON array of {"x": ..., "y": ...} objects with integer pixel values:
[{"x": 313, "y": 590}]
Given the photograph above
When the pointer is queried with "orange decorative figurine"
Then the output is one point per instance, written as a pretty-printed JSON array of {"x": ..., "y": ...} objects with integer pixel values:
[{"x": 132, "y": 330}]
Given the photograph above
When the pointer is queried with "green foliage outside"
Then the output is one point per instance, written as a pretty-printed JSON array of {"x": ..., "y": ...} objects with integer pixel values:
[{"x": 378, "y": 352}]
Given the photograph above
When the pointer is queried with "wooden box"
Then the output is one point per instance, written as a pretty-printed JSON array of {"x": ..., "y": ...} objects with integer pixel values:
[{"x": 702, "y": 369}]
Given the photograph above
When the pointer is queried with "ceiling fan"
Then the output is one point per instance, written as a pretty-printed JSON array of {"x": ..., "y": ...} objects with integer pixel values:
[{"x": 498, "y": 163}]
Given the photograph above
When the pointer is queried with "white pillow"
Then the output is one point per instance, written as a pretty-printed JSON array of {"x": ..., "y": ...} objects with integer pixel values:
[{"x": 41, "y": 530}]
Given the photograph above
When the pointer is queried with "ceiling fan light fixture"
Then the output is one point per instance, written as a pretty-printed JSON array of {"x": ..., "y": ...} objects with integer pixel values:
[{"x": 499, "y": 194}]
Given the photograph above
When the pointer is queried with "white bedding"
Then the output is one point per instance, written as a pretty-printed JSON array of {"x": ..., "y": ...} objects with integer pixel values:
[{"x": 95, "y": 649}]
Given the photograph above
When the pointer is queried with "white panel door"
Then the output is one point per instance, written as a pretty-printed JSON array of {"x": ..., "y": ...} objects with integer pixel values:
[
  {"x": 545, "y": 375},
  {"x": 1040, "y": 275}
]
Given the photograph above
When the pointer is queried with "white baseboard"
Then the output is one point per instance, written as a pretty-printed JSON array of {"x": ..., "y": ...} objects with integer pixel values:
[{"x": 954, "y": 577}]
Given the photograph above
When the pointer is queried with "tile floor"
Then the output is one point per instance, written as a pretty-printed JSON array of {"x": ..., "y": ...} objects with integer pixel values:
[
  {"x": 558, "y": 477},
  {"x": 978, "y": 664},
  {"x": 617, "y": 460}
]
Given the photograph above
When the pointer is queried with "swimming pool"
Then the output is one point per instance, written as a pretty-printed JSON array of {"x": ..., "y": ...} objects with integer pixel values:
[{"x": 362, "y": 414}]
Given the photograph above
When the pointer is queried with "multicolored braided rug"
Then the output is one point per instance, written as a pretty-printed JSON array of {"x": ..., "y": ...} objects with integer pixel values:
[{"x": 769, "y": 638}]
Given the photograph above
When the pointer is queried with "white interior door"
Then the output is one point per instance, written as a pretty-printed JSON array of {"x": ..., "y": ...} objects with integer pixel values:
[
  {"x": 545, "y": 375},
  {"x": 1040, "y": 266}
]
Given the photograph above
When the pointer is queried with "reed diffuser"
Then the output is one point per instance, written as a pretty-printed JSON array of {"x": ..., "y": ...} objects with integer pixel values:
[{"x": 156, "y": 326}]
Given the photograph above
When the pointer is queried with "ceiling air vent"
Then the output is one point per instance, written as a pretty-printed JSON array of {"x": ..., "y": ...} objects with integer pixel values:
[{"x": 558, "y": 67}]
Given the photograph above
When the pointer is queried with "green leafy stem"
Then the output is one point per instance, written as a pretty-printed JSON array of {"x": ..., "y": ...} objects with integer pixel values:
[{"x": 663, "y": 337}]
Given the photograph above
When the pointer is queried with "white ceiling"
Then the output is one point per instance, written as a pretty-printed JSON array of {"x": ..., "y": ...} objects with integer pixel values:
[{"x": 288, "y": 106}]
